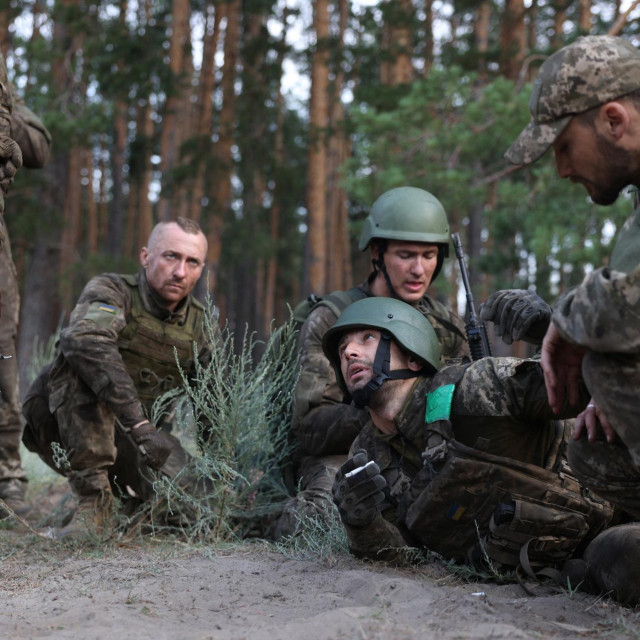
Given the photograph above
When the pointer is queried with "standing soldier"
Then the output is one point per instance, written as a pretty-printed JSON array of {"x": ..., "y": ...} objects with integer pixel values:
[
  {"x": 586, "y": 105},
  {"x": 407, "y": 235},
  {"x": 30, "y": 141}
]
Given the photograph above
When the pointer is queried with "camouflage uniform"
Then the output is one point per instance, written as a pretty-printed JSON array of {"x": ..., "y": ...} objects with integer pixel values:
[
  {"x": 499, "y": 404},
  {"x": 324, "y": 425},
  {"x": 34, "y": 141},
  {"x": 116, "y": 357},
  {"x": 603, "y": 315}
]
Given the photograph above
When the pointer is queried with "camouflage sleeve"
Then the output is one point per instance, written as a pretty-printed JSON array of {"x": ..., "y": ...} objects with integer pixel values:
[
  {"x": 90, "y": 346},
  {"x": 603, "y": 313},
  {"x": 506, "y": 387},
  {"x": 449, "y": 328},
  {"x": 322, "y": 422},
  {"x": 10, "y": 155},
  {"x": 503, "y": 401},
  {"x": 29, "y": 132}
]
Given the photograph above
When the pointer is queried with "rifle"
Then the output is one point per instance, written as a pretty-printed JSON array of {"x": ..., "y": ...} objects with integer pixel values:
[{"x": 476, "y": 332}]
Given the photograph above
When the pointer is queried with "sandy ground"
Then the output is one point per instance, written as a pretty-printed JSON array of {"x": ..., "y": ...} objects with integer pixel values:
[{"x": 167, "y": 590}]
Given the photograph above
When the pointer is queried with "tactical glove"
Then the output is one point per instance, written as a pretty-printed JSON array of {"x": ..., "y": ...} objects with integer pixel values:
[
  {"x": 357, "y": 496},
  {"x": 153, "y": 445},
  {"x": 517, "y": 314}
]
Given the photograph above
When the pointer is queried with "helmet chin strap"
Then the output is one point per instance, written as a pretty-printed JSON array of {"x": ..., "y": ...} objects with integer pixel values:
[{"x": 381, "y": 372}]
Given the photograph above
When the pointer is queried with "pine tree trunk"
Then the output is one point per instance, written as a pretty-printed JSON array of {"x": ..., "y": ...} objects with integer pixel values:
[
  {"x": 512, "y": 39},
  {"x": 481, "y": 34},
  {"x": 317, "y": 167},
  {"x": 271, "y": 270},
  {"x": 220, "y": 187},
  {"x": 204, "y": 103},
  {"x": 584, "y": 16},
  {"x": 428, "y": 37},
  {"x": 397, "y": 44},
  {"x": 169, "y": 139},
  {"x": 338, "y": 259},
  {"x": 92, "y": 214}
]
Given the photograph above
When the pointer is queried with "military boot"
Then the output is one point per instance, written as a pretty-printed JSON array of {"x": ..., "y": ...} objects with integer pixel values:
[
  {"x": 12, "y": 492},
  {"x": 94, "y": 516},
  {"x": 613, "y": 563}
]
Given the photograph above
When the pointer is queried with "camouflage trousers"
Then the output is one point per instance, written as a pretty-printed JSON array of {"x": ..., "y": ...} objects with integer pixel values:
[
  {"x": 10, "y": 427},
  {"x": 86, "y": 431},
  {"x": 315, "y": 478}
]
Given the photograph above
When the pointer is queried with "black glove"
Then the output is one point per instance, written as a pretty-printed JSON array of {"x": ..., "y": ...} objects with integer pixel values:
[
  {"x": 517, "y": 314},
  {"x": 154, "y": 446},
  {"x": 357, "y": 496}
]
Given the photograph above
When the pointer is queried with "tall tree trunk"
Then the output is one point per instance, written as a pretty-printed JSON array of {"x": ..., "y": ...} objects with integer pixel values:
[
  {"x": 220, "y": 187},
  {"x": 584, "y": 16},
  {"x": 397, "y": 43},
  {"x": 428, "y": 37},
  {"x": 120, "y": 123},
  {"x": 532, "y": 25},
  {"x": 271, "y": 271},
  {"x": 169, "y": 139},
  {"x": 481, "y": 34},
  {"x": 205, "y": 105},
  {"x": 317, "y": 168},
  {"x": 338, "y": 264},
  {"x": 512, "y": 39},
  {"x": 560, "y": 17}
]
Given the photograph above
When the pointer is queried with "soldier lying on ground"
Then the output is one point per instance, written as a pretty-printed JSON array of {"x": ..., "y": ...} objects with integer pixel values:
[
  {"x": 407, "y": 234},
  {"x": 115, "y": 358},
  {"x": 455, "y": 453}
]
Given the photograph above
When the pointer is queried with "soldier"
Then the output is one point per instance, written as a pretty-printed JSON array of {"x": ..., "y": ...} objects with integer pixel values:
[
  {"x": 447, "y": 450},
  {"x": 586, "y": 105},
  {"x": 407, "y": 234},
  {"x": 34, "y": 142},
  {"x": 117, "y": 355}
]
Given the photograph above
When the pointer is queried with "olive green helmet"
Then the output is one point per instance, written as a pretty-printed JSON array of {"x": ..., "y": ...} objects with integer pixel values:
[
  {"x": 408, "y": 214},
  {"x": 405, "y": 324}
]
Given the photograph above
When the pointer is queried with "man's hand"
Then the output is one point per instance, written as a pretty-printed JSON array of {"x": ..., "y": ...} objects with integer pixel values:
[
  {"x": 154, "y": 446},
  {"x": 561, "y": 364},
  {"x": 517, "y": 314},
  {"x": 593, "y": 420},
  {"x": 358, "y": 490}
]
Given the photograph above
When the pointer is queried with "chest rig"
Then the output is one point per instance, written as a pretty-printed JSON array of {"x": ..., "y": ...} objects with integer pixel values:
[{"x": 150, "y": 346}]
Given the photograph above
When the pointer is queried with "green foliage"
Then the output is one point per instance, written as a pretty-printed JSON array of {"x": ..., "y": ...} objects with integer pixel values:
[
  {"x": 240, "y": 439},
  {"x": 317, "y": 537}
]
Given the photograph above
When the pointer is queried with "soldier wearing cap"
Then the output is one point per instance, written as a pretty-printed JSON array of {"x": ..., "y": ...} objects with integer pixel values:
[
  {"x": 586, "y": 105},
  {"x": 407, "y": 235}
]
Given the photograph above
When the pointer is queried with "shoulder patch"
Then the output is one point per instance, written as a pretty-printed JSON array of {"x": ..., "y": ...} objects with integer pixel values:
[
  {"x": 102, "y": 314},
  {"x": 439, "y": 403}
]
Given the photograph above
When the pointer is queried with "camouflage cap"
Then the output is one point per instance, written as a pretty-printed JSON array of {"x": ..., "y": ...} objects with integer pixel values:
[{"x": 585, "y": 74}]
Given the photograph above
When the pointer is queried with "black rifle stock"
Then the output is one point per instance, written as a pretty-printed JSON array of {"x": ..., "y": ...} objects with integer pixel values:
[{"x": 476, "y": 332}]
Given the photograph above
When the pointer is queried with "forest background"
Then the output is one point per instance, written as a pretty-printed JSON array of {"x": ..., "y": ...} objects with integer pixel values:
[{"x": 276, "y": 124}]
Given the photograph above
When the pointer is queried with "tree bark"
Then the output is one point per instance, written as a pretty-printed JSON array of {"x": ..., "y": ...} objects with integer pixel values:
[
  {"x": 317, "y": 168},
  {"x": 584, "y": 16},
  {"x": 169, "y": 139},
  {"x": 481, "y": 33},
  {"x": 512, "y": 39}
]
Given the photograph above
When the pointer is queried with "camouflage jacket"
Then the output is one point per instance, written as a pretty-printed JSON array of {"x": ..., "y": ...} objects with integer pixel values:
[
  {"x": 603, "y": 313},
  {"x": 322, "y": 422},
  {"x": 89, "y": 345},
  {"x": 29, "y": 132},
  {"x": 499, "y": 404}
]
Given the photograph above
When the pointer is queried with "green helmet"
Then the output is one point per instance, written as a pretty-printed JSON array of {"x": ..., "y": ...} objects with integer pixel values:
[
  {"x": 405, "y": 324},
  {"x": 409, "y": 214}
]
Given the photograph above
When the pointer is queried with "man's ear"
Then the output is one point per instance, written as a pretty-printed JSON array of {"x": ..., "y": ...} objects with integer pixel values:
[
  {"x": 374, "y": 250},
  {"x": 615, "y": 119},
  {"x": 415, "y": 364},
  {"x": 144, "y": 254}
]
